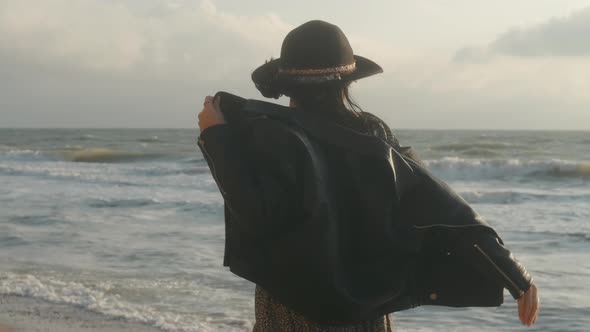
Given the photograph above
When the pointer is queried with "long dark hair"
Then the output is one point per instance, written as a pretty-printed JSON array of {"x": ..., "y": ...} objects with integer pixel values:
[{"x": 331, "y": 99}]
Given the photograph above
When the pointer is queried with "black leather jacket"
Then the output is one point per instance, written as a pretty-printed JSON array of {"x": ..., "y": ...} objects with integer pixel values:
[{"x": 344, "y": 226}]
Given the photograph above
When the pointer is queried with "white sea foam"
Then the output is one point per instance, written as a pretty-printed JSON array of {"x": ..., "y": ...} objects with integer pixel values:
[
  {"x": 519, "y": 195},
  {"x": 101, "y": 299},
  {"x": 22, "y": 155},
  {"x": 55, "y": 170},
  {"x": 79, "y": 154},
  {"x": 87, "y": 137},
  {"x": 456, "y": 167},
  {"x": 179, "y": 176}
]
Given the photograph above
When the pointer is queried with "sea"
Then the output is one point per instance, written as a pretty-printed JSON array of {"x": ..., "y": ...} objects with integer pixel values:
[{"x": 128, "y": 223}]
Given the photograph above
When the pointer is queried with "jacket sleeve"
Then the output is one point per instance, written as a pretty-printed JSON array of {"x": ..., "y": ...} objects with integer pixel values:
[
  {"x": 493, "y": 258},
  {"x": 259, "y": 189},
  {"x": 477, "y": 242}
]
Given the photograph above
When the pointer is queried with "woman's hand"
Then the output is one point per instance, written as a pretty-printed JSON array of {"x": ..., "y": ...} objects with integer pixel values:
[
  {"x": 528, "y": 306},
  {"x": 211, "y": 114}
]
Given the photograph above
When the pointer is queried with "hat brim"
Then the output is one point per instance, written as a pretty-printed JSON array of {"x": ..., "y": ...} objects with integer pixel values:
[{"x": 272, "y": 83}]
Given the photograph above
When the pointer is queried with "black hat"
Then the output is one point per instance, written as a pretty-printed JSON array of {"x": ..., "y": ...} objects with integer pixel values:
[{"x": 316, "y": 52}]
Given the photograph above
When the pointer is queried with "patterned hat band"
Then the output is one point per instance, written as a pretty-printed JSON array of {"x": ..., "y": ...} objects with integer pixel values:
[{"x": 344, "y": 69}]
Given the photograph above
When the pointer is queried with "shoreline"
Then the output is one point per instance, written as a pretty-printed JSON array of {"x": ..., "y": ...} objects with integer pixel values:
[{"x": 19, "y": 313}]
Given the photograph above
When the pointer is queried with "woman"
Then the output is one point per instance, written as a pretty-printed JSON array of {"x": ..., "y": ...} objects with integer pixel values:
[{"x": 385, "y": 236}]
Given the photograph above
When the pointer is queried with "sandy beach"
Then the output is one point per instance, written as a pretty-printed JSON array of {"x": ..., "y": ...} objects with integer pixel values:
[{"x": 20, "y": 314}]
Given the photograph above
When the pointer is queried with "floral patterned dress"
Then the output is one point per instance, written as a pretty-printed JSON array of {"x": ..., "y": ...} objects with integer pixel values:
[{"x": 272, "y": 316}]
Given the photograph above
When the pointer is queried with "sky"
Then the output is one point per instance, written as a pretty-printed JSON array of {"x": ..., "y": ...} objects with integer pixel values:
[{"x": 452, "y": 64}]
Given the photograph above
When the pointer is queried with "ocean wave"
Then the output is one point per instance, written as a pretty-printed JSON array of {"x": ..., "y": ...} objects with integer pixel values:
[
  {"x": 577, "y": 236},
  {"x": 61, "y": 172},
  {"x": 202, "y": 207},
  {"x": 77, "y": 153},
  {"x": 121, "y": 203},
  {"x": 151, "y": 139},
  {"x": 72, "y": 148},
  {"x": 35, "y": 220},
  {"x": 517, "y": 196},
  {"x": 160, "y": 174},
  {"x": 102, "y": 155},
  {"x": 195, "y": 160},
  {"x": 164, "y": 171},
  {"x": 574, "y": 236},
  {"x": 12, "y": 241},
  {"x": 580, "y": 169},
  {"x": 102, "y": 299},
  {"x": 81, "y": 154},
  {"x": 87, "y": 137},
  {"x": 22, "y": 155},
  {"x": 480, "y": 152},
  {"x": 457, "y": 168},
  {"x": 490, "y": 146}
]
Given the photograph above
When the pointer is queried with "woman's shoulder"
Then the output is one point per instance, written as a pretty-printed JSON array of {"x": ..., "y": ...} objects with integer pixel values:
[{"x": 377, "y": 127}]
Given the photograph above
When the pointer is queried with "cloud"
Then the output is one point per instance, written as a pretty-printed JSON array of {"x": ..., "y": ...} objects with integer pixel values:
[
  {"x": 566, "y": 36},
  {"x": 70, "y": 63},
  {"x": 60, "y": 31},
  {"x": 148, "y": 63},
  {"x": 114, "y": 37},
  {"x": 560, "y": 37},
  {"x": 507, "y": 93},
  {"x": 536, "y": 74}
]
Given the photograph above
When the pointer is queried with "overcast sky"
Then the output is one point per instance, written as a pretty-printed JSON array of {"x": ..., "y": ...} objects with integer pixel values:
[{"x": 504, "y": 64}]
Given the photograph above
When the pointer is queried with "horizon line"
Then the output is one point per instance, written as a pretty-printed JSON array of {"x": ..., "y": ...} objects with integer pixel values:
[{"x": 393, "y": 128}]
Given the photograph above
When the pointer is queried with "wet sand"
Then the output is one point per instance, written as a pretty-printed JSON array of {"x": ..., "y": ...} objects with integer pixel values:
[
  {"x": 31, "y": 315},
  {"x": 4, "y": 328}
]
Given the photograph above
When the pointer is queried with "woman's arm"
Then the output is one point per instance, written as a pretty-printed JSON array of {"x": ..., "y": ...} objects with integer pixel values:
[
  {"x": 488, "y": 254},
  {"x": 528, "y": 306},
  {"x": 493, "y": 257},
  {"x": 259, "y": 190}
]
